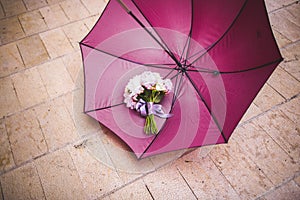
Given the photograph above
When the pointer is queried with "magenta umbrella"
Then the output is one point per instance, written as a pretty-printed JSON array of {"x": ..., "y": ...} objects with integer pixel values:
[{"x": 217, "y": 55}]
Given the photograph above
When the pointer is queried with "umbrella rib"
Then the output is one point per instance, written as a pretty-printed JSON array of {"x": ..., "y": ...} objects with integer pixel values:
[
  {"x": 254, "y": 68},
  {"x": 237, "y": 71},
  {"x": 97, "y": 109},
  {"x": 131, "y": 61},
  {"x": 187, "y": 43},
  {"x": 207, "y": 107},
  {"x": 164, "y": 45},
  {"x": 164, "y": 122},
  {"x": 176, "y": 92},
  {"x": 171, "y": 71},
  {"x": 190, "y": 33},
  {"x": 216, "y": 42}
]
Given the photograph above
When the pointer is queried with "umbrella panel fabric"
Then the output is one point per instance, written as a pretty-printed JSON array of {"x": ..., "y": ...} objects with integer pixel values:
[{"x": 217, "y": 56}]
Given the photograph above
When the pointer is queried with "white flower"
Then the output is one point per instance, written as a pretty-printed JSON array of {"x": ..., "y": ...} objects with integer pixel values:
[
  {"x": 137, "y": 85},
  {"x": 160, "y": 86},
  {"x": 168, "y": 85}
]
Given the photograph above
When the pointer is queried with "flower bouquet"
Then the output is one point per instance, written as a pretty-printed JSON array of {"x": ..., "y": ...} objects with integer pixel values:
[{"x": 143, "y": 93}]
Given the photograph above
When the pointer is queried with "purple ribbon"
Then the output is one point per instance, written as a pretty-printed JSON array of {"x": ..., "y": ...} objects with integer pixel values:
[{"x": 148, "y": 108}]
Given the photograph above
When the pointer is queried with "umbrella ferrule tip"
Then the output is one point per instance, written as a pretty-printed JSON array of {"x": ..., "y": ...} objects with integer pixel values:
[{"x": 216, "y": 73}]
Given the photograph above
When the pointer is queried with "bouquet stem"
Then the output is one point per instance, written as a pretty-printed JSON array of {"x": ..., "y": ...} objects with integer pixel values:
[{"x": 150, "y": 125}]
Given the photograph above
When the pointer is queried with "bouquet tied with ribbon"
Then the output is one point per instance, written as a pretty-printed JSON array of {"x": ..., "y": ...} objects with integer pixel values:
[{"x": 143, "y": 93}]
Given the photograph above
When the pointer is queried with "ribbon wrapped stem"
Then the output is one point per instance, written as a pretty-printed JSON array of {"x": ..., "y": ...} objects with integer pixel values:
[{"x": 149, "y": 110}]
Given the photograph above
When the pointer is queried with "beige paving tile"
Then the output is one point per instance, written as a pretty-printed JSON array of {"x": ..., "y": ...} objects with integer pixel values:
[
  {"x": 292, "y": 110},
  {"x": 22, "y": 183},
  {"x": 169, "y": 185},
  {"x": 281, "y": 40},
  {"x": 123, "y": 158},
  {"x": 285, "y": 22},
  {"x": 283, "y": 131},
  {"x": 10, "y": 30},
  {"x": 74, "y": 9},
  {"x": 50, "y": 2},
  {"x": 297, "y": 180},
  {"x": 90, "y": 21},
  {"x": 252, "y": 111},
  {"x": 75, "y": 33},
  {"x": 6, "y": 156},
  {"x": 25, "y": 135},
  {"x": 291, "y": 61},
  {"x": 13, "y": 7},
  {"x": 29, "y": 87},
  {"x": 56, "y": 123},
  {"x": 273, "y": 5},
  {"x": 56, "y": 42},
  {"x": 105, "y": 198},
  {"x": 94, "y": 7},
  {"x": 164, "y": 158},
  {"x": 8, "y": 100},
  {"x": 1, "y": 196},
  {"x": 73, "y": 63},
  {"x": 241, "y": 172},
  {"x": 128, "y": 177},
  {"x": 287, "y": 191},
  {"x": 266, "y": 153},
  {"x": 32, "y": 50},
  {"x": 84, "y": 124},
  {"x": 284, "y": 83},
  {"x": 292, "y": 11},
  {"x": 204, "y": 177},
  {"x": 2, "y": 14},
  {"x": 97, "y": 177},
  {"x": 122, "y": 166},
  {"x": 32, "y": 22},
  {"x": 34, "y": 4},
  {"x": 136, "y": 190},
  {"x": 10, "y": 59},
  {"x": 267, "y": 98},
  {"x": 59, "y": 176},
  {"x": 56, "y": 78},
  {"x": 54, "y": 16}
]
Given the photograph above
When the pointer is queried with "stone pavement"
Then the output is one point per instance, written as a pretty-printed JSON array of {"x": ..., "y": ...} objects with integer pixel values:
[{"x": 50, "y": 150}]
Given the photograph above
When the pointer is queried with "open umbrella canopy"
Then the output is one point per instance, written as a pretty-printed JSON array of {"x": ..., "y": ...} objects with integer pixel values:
[{"x": 217, "y": 56}]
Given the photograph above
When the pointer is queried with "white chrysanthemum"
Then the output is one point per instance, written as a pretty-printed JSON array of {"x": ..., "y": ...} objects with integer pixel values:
[
  {"x": 134, "y": 84},
  {"x": 160, "y": 86},
  {"x": 149, "y": 80},
  {"x": 129, "y": 102},
  {"x": 168, "y": 85}
]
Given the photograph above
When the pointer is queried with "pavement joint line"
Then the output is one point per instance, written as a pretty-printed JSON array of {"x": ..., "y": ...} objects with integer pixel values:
[
  {"x": 286, "y": 181},
  {"x": 269, "y": 110},
  {"x": 48, "y": 29},
  {"x": 50, "y": 151},
  {"x": 36, "y": 65},
  {"x": 186, "y": 182},
  {"x": 41, "y": 103},
  {"x": 283, "y": 6}
]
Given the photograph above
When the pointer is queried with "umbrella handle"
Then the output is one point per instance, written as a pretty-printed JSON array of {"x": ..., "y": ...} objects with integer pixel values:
[{"x": 124, "y": 6}]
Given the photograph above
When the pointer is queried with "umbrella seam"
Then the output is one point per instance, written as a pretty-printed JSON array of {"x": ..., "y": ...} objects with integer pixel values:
[
  {"x": 190, "y": 34},
  {"x": 125, "y": 59},
  {"x": 237, "y": 71},
  {"x": 209, "y": 110},
  {"x": 97, "y": 109},
  {"x": 224, "y": 34},
  {"x": 168, "y": 51}
]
